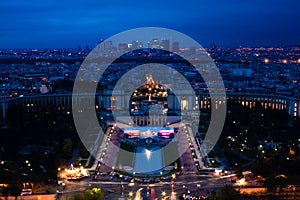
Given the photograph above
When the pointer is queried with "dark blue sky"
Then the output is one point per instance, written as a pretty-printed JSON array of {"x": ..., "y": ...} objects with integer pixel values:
[{"x": 227, "y": 23}]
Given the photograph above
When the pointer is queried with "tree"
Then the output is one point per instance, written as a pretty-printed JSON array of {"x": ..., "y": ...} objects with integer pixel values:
[
  {"x": 90, "y": 194},
  {"x": 67, "y": 145},
  {"x": 226, "y": 193},
  {"x": 239, "y": 174},
  {"x": 272, "y": 183},
  {"x": 15, "y": 190},
  {"x": 269, "y": 184},
  {"x": 281, "y": 182},
  {"x": 78, "y": 197},
  {"x": 93, "y": 194},
  {"x": 5, "y": 192}
]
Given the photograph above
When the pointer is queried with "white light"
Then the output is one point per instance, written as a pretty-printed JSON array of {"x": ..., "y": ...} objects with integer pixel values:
[{"x": 241, "y": 182}]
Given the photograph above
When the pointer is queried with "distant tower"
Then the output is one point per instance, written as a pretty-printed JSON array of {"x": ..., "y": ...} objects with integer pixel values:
[
  {"x": 193, "y": 50},
  {"x": 165, "y": 44},
  {"x": 154, "y": 43},
  {"x": 123, "y": 48},
  {"x": 175, "y": 47},
  {"x": 107, "y": 45},
  {"x": 137, "y": 45}
]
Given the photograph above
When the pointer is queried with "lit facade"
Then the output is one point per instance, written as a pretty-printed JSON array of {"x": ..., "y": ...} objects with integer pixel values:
[{"x": 181, "y": 102}]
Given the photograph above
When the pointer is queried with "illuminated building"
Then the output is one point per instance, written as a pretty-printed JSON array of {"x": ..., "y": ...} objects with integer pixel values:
[
  {"x": 182, "y": 101},
  {"x": 165, "y": 44},
  {"x": 175, "y": 47}
]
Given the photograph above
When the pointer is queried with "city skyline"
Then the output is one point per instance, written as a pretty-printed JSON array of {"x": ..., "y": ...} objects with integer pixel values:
[
  {"x": 63, "y": 24},
  {"x": 147, "y": 100}
]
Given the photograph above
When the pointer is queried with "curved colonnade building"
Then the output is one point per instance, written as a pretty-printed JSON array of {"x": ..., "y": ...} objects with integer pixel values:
[{"x": 182, "y": 101}]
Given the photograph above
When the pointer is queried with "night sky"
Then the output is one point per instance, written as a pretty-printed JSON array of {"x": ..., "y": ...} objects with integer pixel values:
[{"x": 227, "y": 23}]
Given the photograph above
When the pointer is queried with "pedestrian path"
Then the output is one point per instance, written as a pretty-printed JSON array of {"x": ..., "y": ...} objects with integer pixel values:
[
  {"x": 198, "y": 153},
  {"x": 101, "y": 147},
  {"x": 186, "y": 158}
]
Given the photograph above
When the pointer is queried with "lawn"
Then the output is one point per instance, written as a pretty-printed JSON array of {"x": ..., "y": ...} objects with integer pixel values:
[
  {"x": 170, "y": 153},
  {"x": 126, "y": 155}
]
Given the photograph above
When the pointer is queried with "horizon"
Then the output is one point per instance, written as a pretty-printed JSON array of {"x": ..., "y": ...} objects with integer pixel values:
[{"x": 83, "y": 46}]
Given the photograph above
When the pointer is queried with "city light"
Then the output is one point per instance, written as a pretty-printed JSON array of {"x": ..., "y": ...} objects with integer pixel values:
[
  {"x": 266, "y": 60},
  {"x": 241, "y": 182},
  {"x": 173, "y": 176},
  {"x": 261, "y": 83},
  {"x": 73, "y": 173}
]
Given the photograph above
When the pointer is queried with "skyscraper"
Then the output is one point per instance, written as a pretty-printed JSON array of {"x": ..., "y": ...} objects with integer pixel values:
[
  {"x": 123, "y": 48},
  {"x": 165, "y": 44},
  {"x": 137, "y": 45},
  {"x": 175, "y": 47},
  {"x": 154, "y": 43}
]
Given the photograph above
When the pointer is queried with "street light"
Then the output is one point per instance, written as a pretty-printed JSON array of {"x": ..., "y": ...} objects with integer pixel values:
[
  {"x": 173, "y": 176},
  {"x": 148, "y": 190},
  {"x": 122, "y": 186},
  {"x": 172, "y": 185},
  {"x": 198, "y": 186}
]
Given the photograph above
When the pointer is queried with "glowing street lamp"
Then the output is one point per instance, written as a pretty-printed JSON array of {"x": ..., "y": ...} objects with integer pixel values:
[
  {"x": 173, "y": 176},
  {"x": 172, "y": 183},
  {"x": 266, "y": 60},
  {"x": 130, "y": 194},
  {"x": 241, "y": 182}
]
